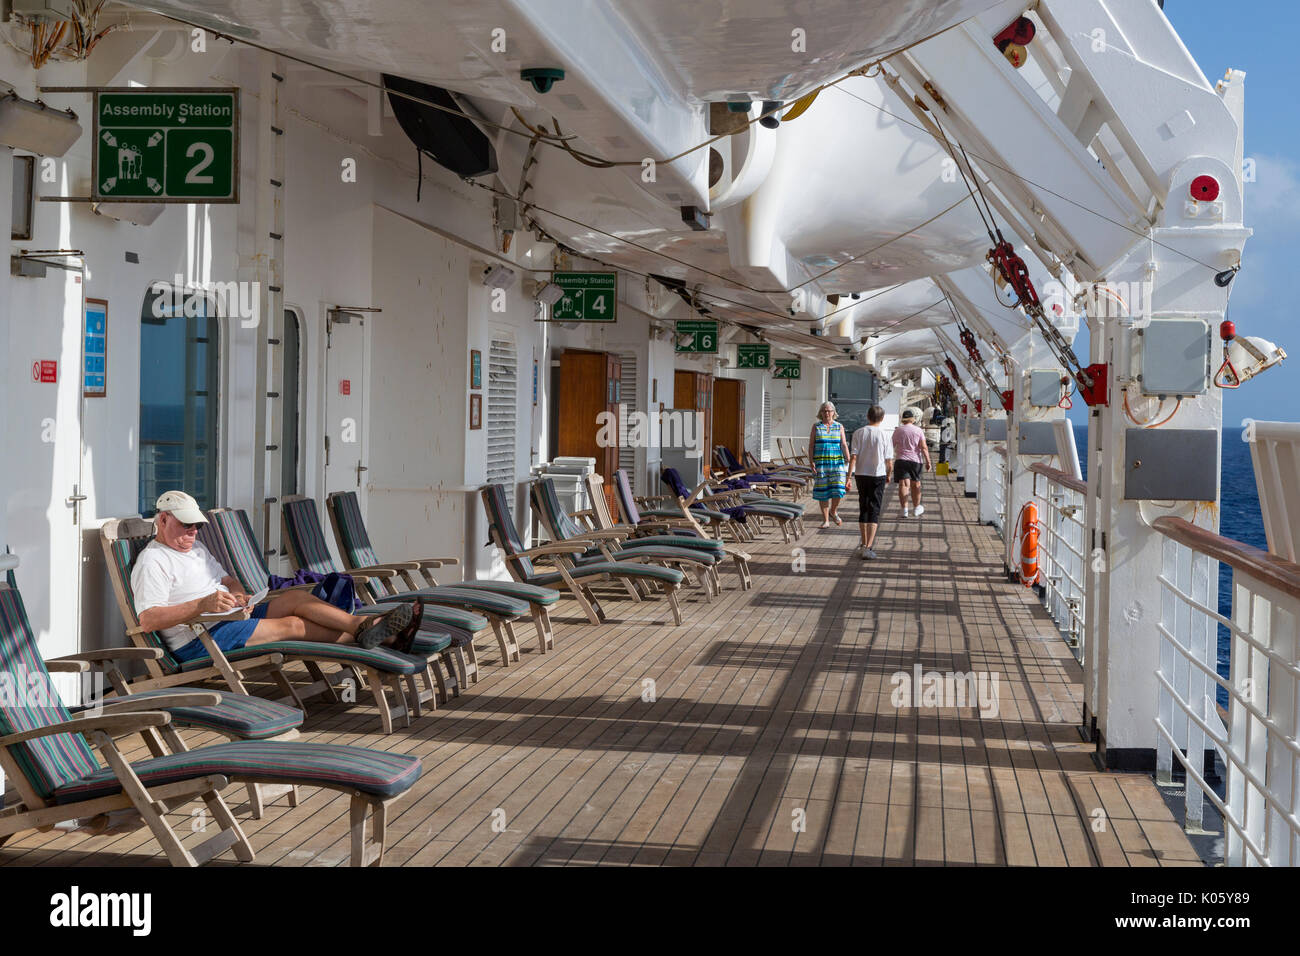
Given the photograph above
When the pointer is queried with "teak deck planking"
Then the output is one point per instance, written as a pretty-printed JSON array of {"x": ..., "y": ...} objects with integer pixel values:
[{"x": 771, "y": 706}]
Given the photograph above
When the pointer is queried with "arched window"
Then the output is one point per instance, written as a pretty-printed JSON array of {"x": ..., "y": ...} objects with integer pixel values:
[{"x": 180, "y": 354}]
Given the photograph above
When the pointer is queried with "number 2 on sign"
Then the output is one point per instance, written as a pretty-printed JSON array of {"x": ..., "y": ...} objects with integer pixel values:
[{"x": 193, "y": 175}]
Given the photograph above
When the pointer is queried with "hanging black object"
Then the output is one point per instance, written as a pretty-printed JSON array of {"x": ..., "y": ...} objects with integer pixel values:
[{"x": 449, "y": 136}]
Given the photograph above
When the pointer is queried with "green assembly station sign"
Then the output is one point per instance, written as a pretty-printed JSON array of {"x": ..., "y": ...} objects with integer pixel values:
[
  {"x": 786, "y": 368},
  {"x": 166, "y": 145},
  {"x": 753, "y": 356},
  {"x": 588, "y": 297},
  {"x": 697, "y": 335}
]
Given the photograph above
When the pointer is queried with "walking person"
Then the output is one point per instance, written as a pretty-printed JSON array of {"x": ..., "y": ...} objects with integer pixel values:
[
  {"x": 910, "y": 452},
  {"x": 871, "y": 460},
  {"x": 829, "y": 449}
]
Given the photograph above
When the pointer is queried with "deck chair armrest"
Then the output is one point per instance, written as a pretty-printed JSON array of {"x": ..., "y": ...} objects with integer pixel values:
[
  {"x": 572, "y": 546},
  {"x": 644, "y": 499},
  {"x": 128, "y": 705},
  {"x": 67, "y": 667},
  {"x": 434, "y": 562},
  {"x": 115, "y": 725},
  {"x": 612, "y": 534},
  {"x": 109, "y": 654},
  {"x": 395, "y": 566},
  {"x": 380, "y": 571}
]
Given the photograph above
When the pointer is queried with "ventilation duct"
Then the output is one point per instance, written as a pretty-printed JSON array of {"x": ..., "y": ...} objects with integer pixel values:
[{"x": 446, "y": 135}]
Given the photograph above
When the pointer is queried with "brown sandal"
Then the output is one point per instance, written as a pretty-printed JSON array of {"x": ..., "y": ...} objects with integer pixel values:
[{"x": 381, "y": 627}]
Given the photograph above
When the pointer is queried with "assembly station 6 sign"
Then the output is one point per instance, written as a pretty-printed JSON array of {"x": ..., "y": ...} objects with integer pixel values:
[{"x": 166, "y": 145}]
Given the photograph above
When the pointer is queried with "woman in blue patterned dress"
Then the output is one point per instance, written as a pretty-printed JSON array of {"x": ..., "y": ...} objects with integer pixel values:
[{"x": 829, "y": 451}]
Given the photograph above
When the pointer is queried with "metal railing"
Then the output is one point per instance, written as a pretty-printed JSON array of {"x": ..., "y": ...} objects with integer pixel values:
[
  {"x": 1061, "y": 548},
  {"x": 1255, "y": 736}
]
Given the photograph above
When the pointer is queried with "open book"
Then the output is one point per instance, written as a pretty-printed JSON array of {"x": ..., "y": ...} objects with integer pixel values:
[{"x": 253, "y": 601}]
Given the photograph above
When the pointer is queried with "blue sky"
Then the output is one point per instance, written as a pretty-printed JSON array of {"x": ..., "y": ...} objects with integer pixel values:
[{"x": 1259, "y": 38}]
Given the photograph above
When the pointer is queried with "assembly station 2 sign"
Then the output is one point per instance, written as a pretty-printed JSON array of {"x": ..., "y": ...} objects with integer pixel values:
[{"x": 166, "y": 145}]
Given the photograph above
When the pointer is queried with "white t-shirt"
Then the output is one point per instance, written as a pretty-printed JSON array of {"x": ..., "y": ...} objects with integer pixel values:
[
  {"x": 163, "y": 576},
  {"x": 872, "y": 446}
]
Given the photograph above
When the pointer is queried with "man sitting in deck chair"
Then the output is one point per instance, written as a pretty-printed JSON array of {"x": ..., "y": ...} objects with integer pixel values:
[{"x": 176, "y": 579}]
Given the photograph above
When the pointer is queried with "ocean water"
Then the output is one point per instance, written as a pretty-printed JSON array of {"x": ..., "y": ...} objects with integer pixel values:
[{"x": 1239, "y": 518}]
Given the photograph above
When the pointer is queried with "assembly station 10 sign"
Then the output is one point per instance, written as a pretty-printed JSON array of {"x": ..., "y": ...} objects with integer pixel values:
[{"x": 166, "y": 145}]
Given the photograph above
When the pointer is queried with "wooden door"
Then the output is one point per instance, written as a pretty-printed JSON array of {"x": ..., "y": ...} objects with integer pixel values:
[{"x": 729, "y": 415}]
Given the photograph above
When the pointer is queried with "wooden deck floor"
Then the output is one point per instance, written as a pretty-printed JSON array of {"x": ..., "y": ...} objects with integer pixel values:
[{"x": 771, "y": 707}]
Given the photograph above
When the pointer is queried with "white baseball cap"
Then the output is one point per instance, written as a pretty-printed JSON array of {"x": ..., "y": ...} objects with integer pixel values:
[{"x": 181, "y": 507}]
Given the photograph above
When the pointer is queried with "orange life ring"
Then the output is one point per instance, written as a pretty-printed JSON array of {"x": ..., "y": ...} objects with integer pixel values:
[{"x": 1028, "y": 544}]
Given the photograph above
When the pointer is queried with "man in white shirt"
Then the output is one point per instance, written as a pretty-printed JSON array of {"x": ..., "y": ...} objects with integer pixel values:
[
  {"x": 175, "y": 579},
  {"x": 871, "y": 461}
]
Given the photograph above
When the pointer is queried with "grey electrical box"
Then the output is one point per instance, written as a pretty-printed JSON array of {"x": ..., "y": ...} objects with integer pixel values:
[
  {"x": 995, "y": 429},
  {"x": 1175, "y": 357},
  {"x": 1044, "y": 387},
  {"x": 972, "y": 426},
  {"x": 1036, "y": 438},
  {"x": 1171, "y": 464}
]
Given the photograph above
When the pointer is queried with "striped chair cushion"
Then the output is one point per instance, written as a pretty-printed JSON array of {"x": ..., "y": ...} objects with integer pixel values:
[
  {"x": 475, "y": 599},
  {"x": 660, "y": 513},
  {"x": 515, "y": 589},
  {"x": 618, "y": 569},
  {"x": 678, "y": 540},
  {"x": 305, "y": 537},
  {"x": 245, "y": 560},
  {"x": 773, "y": 509},
  {"x": 335, "y": 767},
  {"x": 359, "y": 553},
  {"x": 668, "y": 553},
  {"x": 557, "y": 520},
  {"x": 500, "y": 521},
  {"x": 125, "y": 551},
  {"x": 238, "y": 715},
  {"x": 47, "y": 762},
  {"x": 626, "y": 500},
  {"x": 383, "y": 659}
]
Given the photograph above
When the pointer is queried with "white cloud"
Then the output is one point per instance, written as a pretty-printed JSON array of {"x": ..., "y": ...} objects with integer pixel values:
[{"x": 1273, "y": 199}]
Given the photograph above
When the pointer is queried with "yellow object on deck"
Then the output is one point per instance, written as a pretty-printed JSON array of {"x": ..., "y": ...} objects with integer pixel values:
[{"x": 941, "y": 468}]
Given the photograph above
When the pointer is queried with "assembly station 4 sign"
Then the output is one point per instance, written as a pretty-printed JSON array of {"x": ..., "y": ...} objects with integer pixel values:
[{"x": 166, "y": 145}]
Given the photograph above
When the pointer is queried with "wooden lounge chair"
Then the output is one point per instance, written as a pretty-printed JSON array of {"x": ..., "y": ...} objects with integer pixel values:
[
  {"x": 229, "y": 536},
  {"x": 722, "y": 512},
  {"x": 383, "y": 668},
  {"x": 574, "y": 580},
  {"x": 766, "y": 478},
  {"x": 677, "y": 521},
  {"x": 236, "y": 717},
  {"x": 747, "y": 494},
  {"x": 353, "y": 541},
  {"x": 308, "y": 549},
  {"x": 610, "y": 541},
  {"x": 47, "y": 755},
  {"x": 791, "y": 457}
]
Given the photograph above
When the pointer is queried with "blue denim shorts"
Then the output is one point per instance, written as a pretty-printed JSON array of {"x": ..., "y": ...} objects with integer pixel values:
[{"x": 229, "y": 635}]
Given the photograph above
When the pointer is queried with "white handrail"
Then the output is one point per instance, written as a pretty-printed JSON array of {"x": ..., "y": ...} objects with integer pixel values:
[{"x": 1260, "y": 800}]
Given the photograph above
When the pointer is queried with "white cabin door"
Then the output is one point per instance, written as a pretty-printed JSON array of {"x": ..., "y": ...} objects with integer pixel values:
[
  {"x": 43, "y": 454},
  {"x": 346, "y": 413}
]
